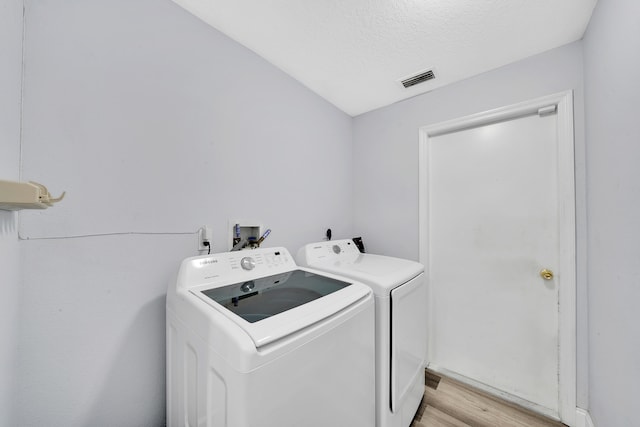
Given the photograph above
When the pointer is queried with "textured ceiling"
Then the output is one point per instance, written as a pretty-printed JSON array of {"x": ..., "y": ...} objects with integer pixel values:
[{"x": 354, "y": 52}]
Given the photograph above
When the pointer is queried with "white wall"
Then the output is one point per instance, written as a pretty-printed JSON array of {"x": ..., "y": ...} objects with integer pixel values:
[
  {"x": 386, "y": 156},
  {"x": 153, "y": 123},
  {"x": 612, "y": 67},
  {"x": 10, "y": 82}
]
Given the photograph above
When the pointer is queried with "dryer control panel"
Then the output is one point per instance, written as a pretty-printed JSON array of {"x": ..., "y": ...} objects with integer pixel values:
[{"x": 328, "y": 250}]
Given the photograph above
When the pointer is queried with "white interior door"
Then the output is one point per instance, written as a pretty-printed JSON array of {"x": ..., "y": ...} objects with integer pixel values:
[{"x": 496, "y": 221}]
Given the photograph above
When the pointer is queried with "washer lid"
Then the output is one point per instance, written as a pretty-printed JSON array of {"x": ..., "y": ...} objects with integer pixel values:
[{"x": 272, "y": 307}]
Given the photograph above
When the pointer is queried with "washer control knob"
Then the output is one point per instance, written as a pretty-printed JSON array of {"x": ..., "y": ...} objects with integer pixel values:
[
  {"x": 248, "y": 263},
  {"x": 336, "y": 249}
]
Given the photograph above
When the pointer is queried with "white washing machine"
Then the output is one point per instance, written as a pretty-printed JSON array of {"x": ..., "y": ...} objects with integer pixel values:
[
  {"x": 400, "y": 293},
  {"x": 255, "y": 341}
]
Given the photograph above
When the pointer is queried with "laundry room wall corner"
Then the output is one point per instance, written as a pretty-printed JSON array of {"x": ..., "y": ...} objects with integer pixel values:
[{"x": 155, "y": 124}]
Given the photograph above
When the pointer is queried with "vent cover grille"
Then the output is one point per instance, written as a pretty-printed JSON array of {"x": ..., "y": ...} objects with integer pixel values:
[{"x": 418, "y": 78}]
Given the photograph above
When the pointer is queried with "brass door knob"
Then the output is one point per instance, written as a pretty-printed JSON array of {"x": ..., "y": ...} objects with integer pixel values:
[{"x": 546, "y": 274}]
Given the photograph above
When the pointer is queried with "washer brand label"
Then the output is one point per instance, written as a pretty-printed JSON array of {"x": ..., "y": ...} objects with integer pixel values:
[{"x": 208, "y": 261}]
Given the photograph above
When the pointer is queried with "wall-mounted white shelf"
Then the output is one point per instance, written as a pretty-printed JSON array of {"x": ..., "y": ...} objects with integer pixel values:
[{"x": 25, "y": 195}]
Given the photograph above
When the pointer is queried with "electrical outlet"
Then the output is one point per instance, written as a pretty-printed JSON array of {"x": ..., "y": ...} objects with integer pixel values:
[{"x": 204, "y": 236}]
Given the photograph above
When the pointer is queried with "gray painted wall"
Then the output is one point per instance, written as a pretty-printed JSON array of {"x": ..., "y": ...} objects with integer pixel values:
[
  {"x": 10, "y": 83},
  {"x": 386, "y": 157},
  {"x": 612, "y": 66},
  {"x": 153, "y": 123}
]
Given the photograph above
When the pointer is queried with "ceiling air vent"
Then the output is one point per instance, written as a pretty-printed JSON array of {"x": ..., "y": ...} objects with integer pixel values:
[{"x": 418, "y": 78}]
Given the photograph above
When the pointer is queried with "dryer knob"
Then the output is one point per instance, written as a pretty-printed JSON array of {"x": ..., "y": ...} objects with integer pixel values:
[
  {"x": 247, "y": 263},
  {"x": 336, "y": 249}
]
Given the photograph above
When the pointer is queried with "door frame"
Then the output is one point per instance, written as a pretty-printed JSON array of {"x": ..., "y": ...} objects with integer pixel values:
[{"x": 566, "y": 221}]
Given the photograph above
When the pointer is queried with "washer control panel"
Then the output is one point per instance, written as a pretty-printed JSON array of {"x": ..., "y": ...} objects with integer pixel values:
[{"x": 230, "y": 267}]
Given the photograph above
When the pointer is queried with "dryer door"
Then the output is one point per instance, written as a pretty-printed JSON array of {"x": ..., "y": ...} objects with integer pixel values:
[{"x": 408, "y": 338}]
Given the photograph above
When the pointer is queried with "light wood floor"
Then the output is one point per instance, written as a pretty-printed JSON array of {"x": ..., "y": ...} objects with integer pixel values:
[{"x": 449, "y": 403}]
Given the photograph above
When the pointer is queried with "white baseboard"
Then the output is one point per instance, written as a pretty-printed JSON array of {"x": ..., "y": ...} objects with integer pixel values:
[{"x": 583, "y": 419}]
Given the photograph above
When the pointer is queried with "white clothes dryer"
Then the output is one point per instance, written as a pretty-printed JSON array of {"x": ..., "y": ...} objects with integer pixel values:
[
  {"x": 255, "y": 341},
  {"x": 400, "y": 291}
]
